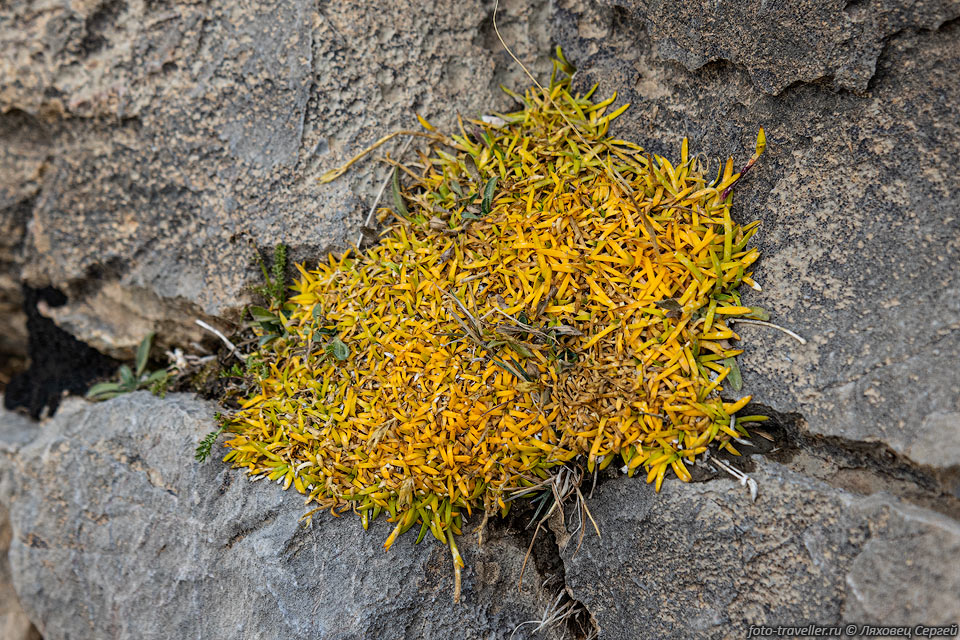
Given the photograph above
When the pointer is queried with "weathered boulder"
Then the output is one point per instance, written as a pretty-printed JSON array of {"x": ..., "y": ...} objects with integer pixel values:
[
  {"x": 119, "y": 533},
  {"x": 782, "y": 43},
  {"x": 22, "y": 152},
  {"x": 704, "y": 561},
  {"x": 151, "y": 141},
  {"x": 860, "y": 237},
  {"x": 142, "y": 145},
  {"x": 15, "y": 431},
  {"x": 179, "y": 133},
  {"x": 14, "y": 623}
]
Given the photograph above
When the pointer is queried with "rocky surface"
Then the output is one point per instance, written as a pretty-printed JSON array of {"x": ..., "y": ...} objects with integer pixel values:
[
  {"x": 859, "y": 199},
  {"x": 119, "y": 533},
  {"x": 15, "y": 431},
  {"x": 704, "y": 561},
  {"x": 14, "y": 623},
  {"x": 149, "y": 143},
  {"x": 157, "y": 544},
  {"x": 145, "y": 145},
  {"x": 782, "y": 43},
  {"x": 172, "y": 135}
]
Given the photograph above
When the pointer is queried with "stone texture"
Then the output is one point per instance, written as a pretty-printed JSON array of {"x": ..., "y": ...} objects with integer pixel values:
[
  {"x": 15, "y": 431},
  {"x": 180, "y": 132},
  {"x": 860, "y": 236},
  {"x": 23, "y": 148},
  {"x": 144, "y": 145},
  {"x": 168, "y": 135},
  {"x": 782, "y": 43},
  {"x": 704, "y": 561},
  {"x": 14, "y": 623},
  {"x": 119, "y": 533}
]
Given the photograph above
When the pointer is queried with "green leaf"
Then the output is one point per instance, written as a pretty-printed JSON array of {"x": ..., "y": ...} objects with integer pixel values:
[
  {"x": 127, "y": 379},
  {"x": 487, "y": 203},
  {"x": 273, "y": 328},
  {"x": 203, "y": 449},
  {"x": 736, "y": 381},
  {"x": 398, "y": 202},
  {"x": 143, "y": 352},
  {"x": 279, "y": 268},
  {"x": 503, "y": 365},
  {"x": 338, "y": 349},
  {"x": 317, "y": 311},
  {"x": 156, "y": 376},
  {"x": 98, "y": 390},
  {"x": 759, "y": 313},
  {"x": 523, "y": 372},
  {"x": 262, "y": 315},
  {"x": 520, "y": 349},
  {"x": 267, "y": 338}
]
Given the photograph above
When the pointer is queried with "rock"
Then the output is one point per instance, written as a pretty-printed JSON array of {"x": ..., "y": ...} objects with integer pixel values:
[
  {"x": 702, "y": 560},
  {"x": 15, "y": 431},
  {"x": 179, "y": 134},
  {"x": 860, "y": 236},
  {"x": 119, "y": 533},
  {"x": 14, "y": 623},
  {"x": 782, "y": 43},
  {"x": 22, "y": 152},
  {"x": 169, "y": 135},
  {"x": 144, "y": 145}
]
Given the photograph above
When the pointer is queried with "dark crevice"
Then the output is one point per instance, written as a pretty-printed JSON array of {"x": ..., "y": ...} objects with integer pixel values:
[
  {"x": 59, "y": 363},
  {"x": 852, "y": 465},
  {"x": 545, "y": 556},
  {"x": 13, "y": 347},
  {"x": 246, "y": 528}
]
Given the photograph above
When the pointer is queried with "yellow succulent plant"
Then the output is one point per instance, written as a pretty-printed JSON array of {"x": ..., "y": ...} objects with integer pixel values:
[{"x": 545, "y": 295}]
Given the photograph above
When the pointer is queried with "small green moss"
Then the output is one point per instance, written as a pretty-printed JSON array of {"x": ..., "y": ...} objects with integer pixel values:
[{"x": 274, "y": 277}]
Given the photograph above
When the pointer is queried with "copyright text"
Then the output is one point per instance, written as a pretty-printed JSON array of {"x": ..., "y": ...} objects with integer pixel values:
[{"x": 852, "y": 631}]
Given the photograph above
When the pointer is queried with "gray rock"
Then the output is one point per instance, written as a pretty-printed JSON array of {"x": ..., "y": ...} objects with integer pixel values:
[
  {"x": 119, "y": 533},
  {"x": 143, "y": 145},
  {"x": 15, "y": 431},
  {"x": 179, "y": 134},
  {"x": 213, "y": 135},
  {"x": 704, "y": 561},
  {"x": 14, "y": 623},
  {"x": 782, "y": 43},
  {"x": 22, "y": 152},
  {"x": 860, "y": 235}
]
